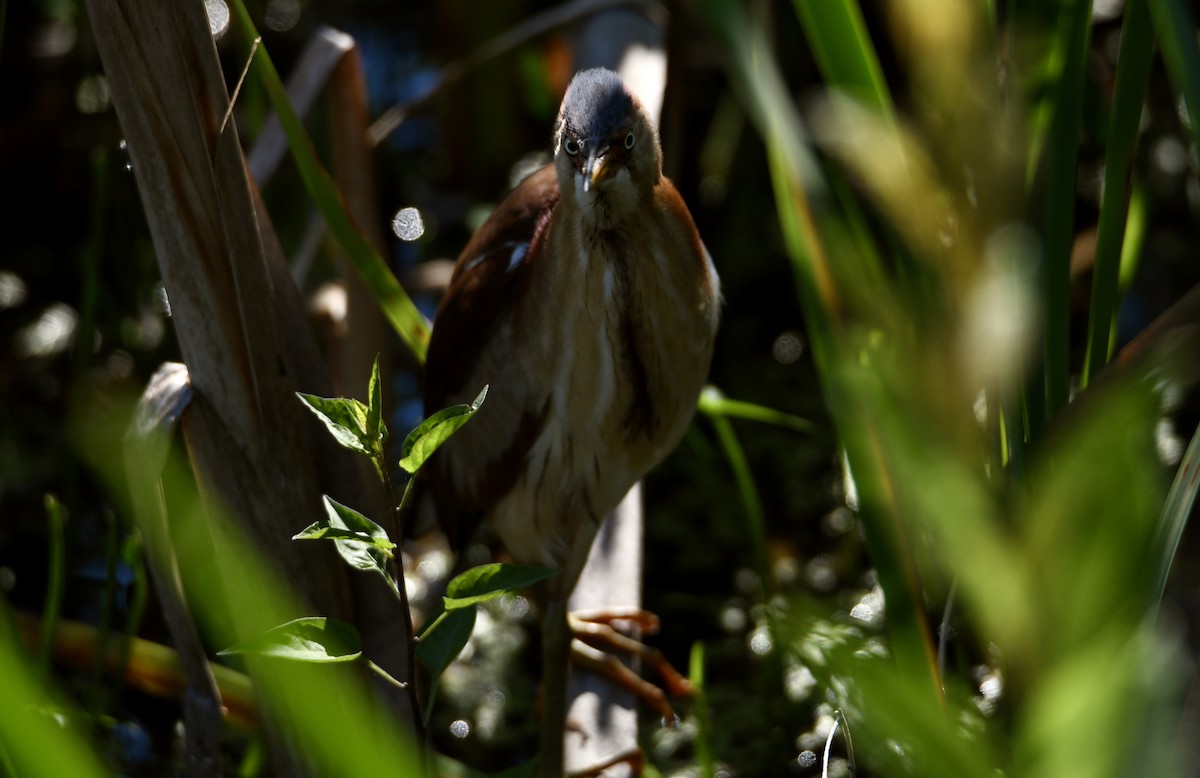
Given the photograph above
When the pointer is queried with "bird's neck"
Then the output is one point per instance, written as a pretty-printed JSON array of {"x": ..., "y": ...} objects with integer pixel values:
[{"x": 614, "y": 207}]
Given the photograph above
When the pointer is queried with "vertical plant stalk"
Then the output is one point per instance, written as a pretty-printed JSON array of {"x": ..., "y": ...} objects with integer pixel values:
[
  {"x": 112, "y": 551},
  {"x": 56, "y": 574},
  {"x": 704, "y": 755},
  {"x": 1133, "y": 73},
  {"x": 396, "y": 525},
  {"x": 147, "y": 442}
]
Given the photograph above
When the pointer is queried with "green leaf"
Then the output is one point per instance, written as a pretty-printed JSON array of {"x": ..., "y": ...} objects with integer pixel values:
[
  {"x": 1174, "y": 518},
  {"x": 356, "y": 552},
  {"x": 345, "y": 418},
  {"x": 434, "y": 431},
  {"x": 487, "y": 582},
  {"x": 838, "y": 36},
  {"x": 309, "y": 639},
  {"x": 444, "y": 639},
  {"x": 1129, "y": 94},
  {"x": 320, "y": 530},
  {"x": 376, "y": 429},
  {"x": 1177, "y": 40}
]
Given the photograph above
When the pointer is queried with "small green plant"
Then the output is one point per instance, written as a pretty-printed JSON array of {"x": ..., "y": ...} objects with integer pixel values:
[{"x": 365, "y": 545}]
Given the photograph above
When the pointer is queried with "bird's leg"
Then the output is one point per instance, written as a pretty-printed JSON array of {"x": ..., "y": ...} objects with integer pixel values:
[
  {"x": 593, "y": 647},
  {"x": 556, "y": 644}
]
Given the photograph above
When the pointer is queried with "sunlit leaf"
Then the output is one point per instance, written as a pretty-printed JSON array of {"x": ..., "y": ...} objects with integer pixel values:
[
  {"x": 356, "y": 552},
  {"x": 376, "y": 429},
  {"x": 310, "y": 639},
  {"x": 487, "y": 582},
  {"x": 321, "y": 530},
  {"x": 346, "y": 420},
  {"x": 434, "y": 431}
]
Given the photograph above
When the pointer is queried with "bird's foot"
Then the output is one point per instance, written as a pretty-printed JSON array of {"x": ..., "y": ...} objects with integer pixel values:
[{"x": 596, "y": 641}]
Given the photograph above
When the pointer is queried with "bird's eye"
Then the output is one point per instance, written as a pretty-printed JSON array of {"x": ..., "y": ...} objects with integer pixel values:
[
  {"x": 571, "y": 146},
  {"x": 629, "y": 141}
]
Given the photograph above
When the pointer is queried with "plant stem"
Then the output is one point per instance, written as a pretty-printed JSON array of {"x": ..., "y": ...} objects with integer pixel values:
[
  {"x": 385, "y": 675},
  {"x": 395, "y": 525}
]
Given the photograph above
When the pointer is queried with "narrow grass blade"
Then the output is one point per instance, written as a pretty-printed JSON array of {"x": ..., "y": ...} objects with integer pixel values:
[
  {"x": 1177, "y": 36},
  {"x": 35, "y": 740},
  {"x": 1133, "y": 72},
  {"x": 704, "y": 755},
  {"x": 838, "y": 37},
  {"x": 713, "y": 403},
  {"x": 747, "y": 491},
  {"x": 1058, "y": 163},
  {"x": 1176, "y": 510},
  {"x": 393, "y": 300},
  {"x": 796, "y": 181},
  {"x": 56, "y": 516}
]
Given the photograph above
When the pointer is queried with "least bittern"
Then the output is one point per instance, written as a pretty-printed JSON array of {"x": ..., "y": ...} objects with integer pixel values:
[{"x": 589, "y": 304}]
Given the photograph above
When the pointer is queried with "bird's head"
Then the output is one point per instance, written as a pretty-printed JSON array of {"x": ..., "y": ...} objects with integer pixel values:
[{"x": 605, "y": 146}]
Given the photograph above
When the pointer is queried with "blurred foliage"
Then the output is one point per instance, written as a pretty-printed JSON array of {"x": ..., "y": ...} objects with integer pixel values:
[{"x": 893, "y": 253}]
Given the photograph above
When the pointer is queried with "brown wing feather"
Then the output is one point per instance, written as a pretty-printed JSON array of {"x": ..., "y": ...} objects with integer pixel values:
[{"x": 485, "y": 280}]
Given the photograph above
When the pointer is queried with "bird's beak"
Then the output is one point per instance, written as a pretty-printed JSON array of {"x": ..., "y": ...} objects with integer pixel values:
[{"x": 595, "y": 168}]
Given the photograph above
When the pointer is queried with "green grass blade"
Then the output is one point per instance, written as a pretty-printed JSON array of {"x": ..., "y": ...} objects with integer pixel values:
[
  {"x": 1133, "y": 72},
  {"x": 1059, "y": 162},
  {"x": 395, "y": 303},
  {"x": 838, "y": 38},
  {"x": 1176, "y": 510},
  {"x": 33, "y": 739},
  {"x": 714, "y": 403},
  {"x": 700, "y": 711},
  {"x": 1177, "y": 37},
  {"x": 56, "y": 516},
  {"x": 796, "y": 182},
  {"x": 748, "y": 492}
]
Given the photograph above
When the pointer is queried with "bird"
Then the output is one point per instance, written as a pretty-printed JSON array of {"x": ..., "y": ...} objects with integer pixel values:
[{"x": 589, "y": 305}]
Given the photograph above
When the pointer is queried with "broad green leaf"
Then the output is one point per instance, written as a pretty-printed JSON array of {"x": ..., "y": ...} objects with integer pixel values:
[
  {"x": 376, "y": 429},
  {"x": 320, "y": 530},
  {"x": 487, "y": 582},
  {"x": 444, "y": 639},
  {"x": 309, "y": 639},
  {"x": 357, "y": 553},
  {"x": 434, "y": 431},
  {"x": 345, "y": 418}
]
